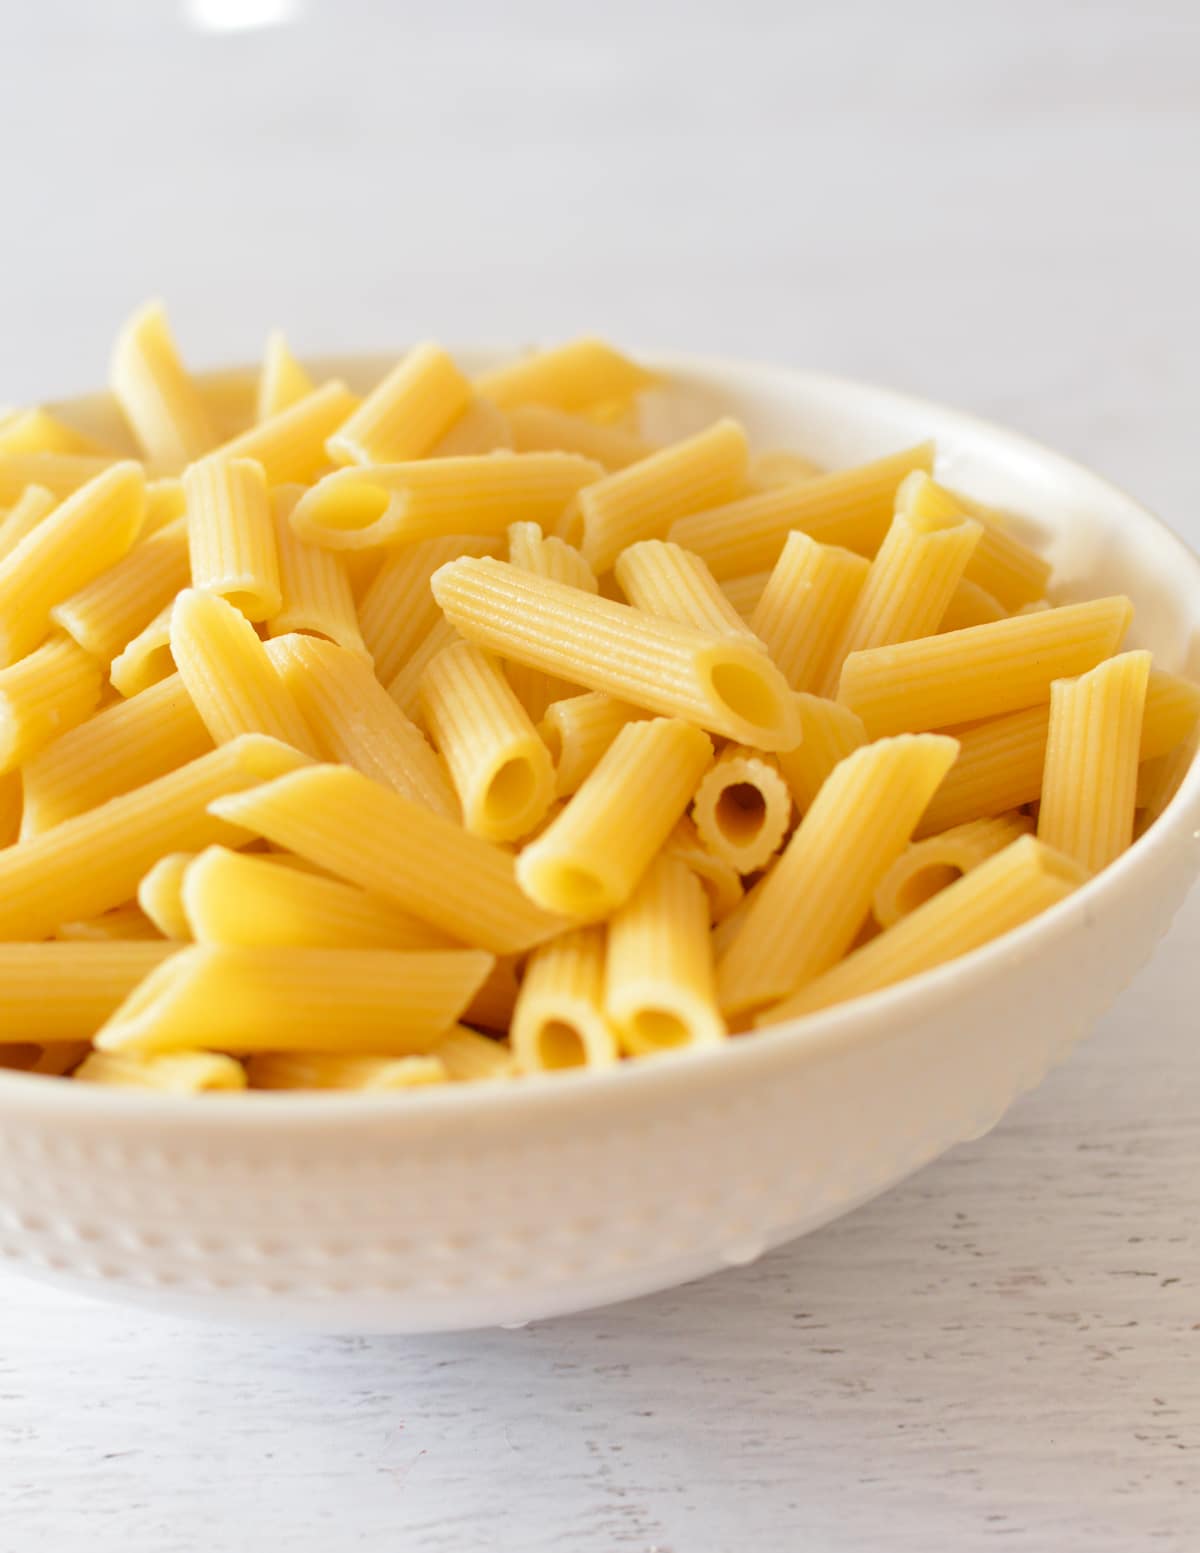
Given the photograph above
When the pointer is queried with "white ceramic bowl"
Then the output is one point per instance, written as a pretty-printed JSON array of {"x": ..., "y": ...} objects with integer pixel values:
[{"x": 467, "y": 1206}]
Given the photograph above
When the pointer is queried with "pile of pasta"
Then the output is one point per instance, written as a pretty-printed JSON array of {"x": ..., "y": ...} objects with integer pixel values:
[{"x": 460, "y": 732}]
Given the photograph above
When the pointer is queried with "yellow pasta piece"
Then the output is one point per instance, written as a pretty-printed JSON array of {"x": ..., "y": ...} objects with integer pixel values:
[
  {"x": 165, "y": 502},
  {"x": 230, "y": 676},
  {"x": 500, "y": 768},
  {"x": 851, "y": 508},
  {"x": 282, "y": 382},
  {"x": 577, "y": 376},
  {"x": 970, "y": 605},
  {"x": 726, "y": 686},
  {"x": 62, "y": 474},
  {"x": 357, "y": 723},
  {"x": 778, "y": 467},
  {"x": 11, "y": 805},
  {"x": 405, "y": 687},
  {"x": 1026, "y": 878},
  {"x": 43, "y": 695},
  {"x": 352, "y": 1002},
  {"x": 291, "y": 445},
  {"x": 642, "y": 500},
  {"x": 122, "y": 922},
  {"x": 64, "y": 991},
  {"x": 319, "y": 1070},
  {"x": 34, "y": 503},
  {"x": 589, "y": 860},
  {"x": 909, "y": 585},
  {"x": 398, "y": 610},
  {"x": 578, "y": 730},
  {"x": 539, "y": 428},
  {"x": 817, "y": 896},
  {"x": 124, "y": 746},
  {"x": 157, "y": 395},
  {"x": 1002, "y": 565},
  {"x": 468, "y": 1056},
  {"x": 175, "y": 1073},
  {"x": 229, "y": 396},
  {"x": 805, "y": 605},
  {"x": 664, "y": 580},
  {"x": 112, "y": 609},
  {"x": 80, "y": 539},
  {"x": 547, "y": 556},
  {"x": 983, "y": 671},
  {"x": 247, "y": 899},
  {"x": 314, "y": 588},
  {"x": 37, "y": 431},
  {"x": 95, "y": 861},
  {"x": 399, "y": 850},
  {"x": 659, "y": 987},
  {"x": 492, "y": 1006},
  {"x": 481, "y": 428},
  {"x": 147, "y": 660},
  {"x": 231, "y": 538},
  {"x": 358, "y": 508},
  {"x": 719, "y": 879},
  {"x": 404, "y": 415},
  {"x": 559, "y": 1020},
  {"x": 160, "y": 895},
  {"x": 744, "y": 593},
  {"x": 1093, "y": 744},
  {"x": 925, "y": 867},
  {"x": 1000, "y": 762},
  {"x": 742, "y": 808}
]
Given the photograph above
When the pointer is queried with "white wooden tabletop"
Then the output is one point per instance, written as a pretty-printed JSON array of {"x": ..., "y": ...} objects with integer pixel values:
[{"x": 990, "y": 204}]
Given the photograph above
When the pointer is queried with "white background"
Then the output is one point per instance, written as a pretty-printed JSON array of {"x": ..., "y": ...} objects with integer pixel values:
[{"x": 994, "y": 204}]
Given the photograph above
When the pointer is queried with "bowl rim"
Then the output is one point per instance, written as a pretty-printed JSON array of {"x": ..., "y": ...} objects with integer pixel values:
[{"x": 860, "y": 1021}]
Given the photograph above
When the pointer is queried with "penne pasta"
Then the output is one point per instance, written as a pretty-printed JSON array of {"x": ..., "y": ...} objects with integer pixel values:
[
  {"x": 589, "y": 860},
  {"x": 128, "y": 922},
  {"x": 925, "y": 867},
  {"x": 175, "y": 1073},
  {"x": 388, "y": 504},
  {"x": 559, "y": 1019},
  {"x": 34, "y": 503},
  {"x": 349, "y": 1002},
  {"x": 62, "y": 474},
  {"x": 404, "y": 415},
  {"x": 970, "y": 605},
  {"x": 501, "y": 770},
  {"x": 1003, "y": 566},
  {"x": 282, "y": 381},
  {"x": 659, "y": 987},
  {"x": 719, "y": 879},
  {"x": 405, "y": 687},
  {"x": 231, "y": 537},
  {"x": 817, "y": 896},
  {"x": 744, "y": 593},
  {"x": 123, "y": 747},
  {"x": 726, "y": 686},
  {"x": 356, "y": 722},
  {"x": 56, "y": 687},
  {"x": 673, "y": 584},
  {"x": 319, "y": 1070},
  {"x": 55, "y": 992},
  {"x": 481, "y": 428},
  {"x": 81, "y": 538},
  {"x": 248, "y": 899},
  {"x": 229, "y": 675},
  {"x": 147, "y": 660},
  {"x": 230, "y": 396},
  {"x": 742, "y": 808},
  {"x": 394, "y": 848},
  {"x": 398, "y": 609},
  {"x": 165, "y": 502},
  {"x": 550, "y": 557},
  {"x": 290, "y": 446},
  {"x": 1093, "y": 744},
  {"x": 642, "y": 500},
  {"x": 778, "y": 467},
  {"x": 578, "y": 730},
  {"x": 37, "y": 431},
  {"x": 851, "y": 508},
  {"x": 160, "y": 895},
  {"x": 94, "y": 861},
  {"x": 539, "y": 428},
  {"x": 579, "y": 376},
  {"x": 314, "y": 588},
  {"x": 984, "y": 671},
  {"x": 106, "y": 614},
  {"x": 1008, "y": 889},
  {"x": 157, "y": 395},
  {"x": 468, "y": 1056},
  {"x": 805, "y": 605}
]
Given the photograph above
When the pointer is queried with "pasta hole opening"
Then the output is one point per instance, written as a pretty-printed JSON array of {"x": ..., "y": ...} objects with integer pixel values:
[
  {"x": 353, "y": 506},
  {"x": 575, "y": 890},
  {"x": 510, "y": 790},
  {"x": 560, "y": 1045},
  {"x": 659, "y": 1028},
  {"x": 741, "y": 812},
  {"x": 923, "y": 885},
  {"x": 743, "y": 691},
  {"x": 252, "y": 605}
]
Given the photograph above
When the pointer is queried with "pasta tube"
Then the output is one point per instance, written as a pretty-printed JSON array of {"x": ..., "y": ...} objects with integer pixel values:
[
  {"x": 62, "y": 474},
  {"x": 805, "y": 605},
  {"x": 744, "y": 593},
  {"x": 176, "y": 1073},
  {"x": 664, "y": 580},
  {"x": 481, "y": 428},
  {"x": 578, "y": 376},
  {"x": 404, "y": 415},
  {"x": 742, "y": 808},
  {"x": 538, "y": 428},
  {"x": 718, "y": 878},
  {"x": 113, "y": 608},
  {"x": 51, "y": 690},
  {"x": 318, "y": 1070},
  {"x": 231, "y": 538},
  {"x": 398, "y": 610},
  {"x": 559, "y": 1019},
  {"x": 160, "y": 895},
  {"x": 830, "y": 732},
  {"x": 970, "y": 605},
  {"x": 63, "y": 992},
  {"x": 314, "y": 588},
  {"x": 578, "y": 730},
  {"x": 469, "y": 1056},
  {"x": 156, "y": 394},
  {"x": 925, "y": 867},
  {"x": 34, "y": 503},
  {"x": 37, "y": 431},
  {"x": 282, "y": 382},
  {"x": 290, "y": 446}
]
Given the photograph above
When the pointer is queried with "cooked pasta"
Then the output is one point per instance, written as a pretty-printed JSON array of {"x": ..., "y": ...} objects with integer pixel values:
[
  {"x": 1093, "y": 744},
  {"x": 720, "y": 880},
  {"x": 62, "y": 474},
  {"x": 659, "y": 986},
  {"x": 742, "y": 808},
  {"x": 744, "y": 593},
  {"x": 64, "y": 991},
  {"x": 34, "y": 503},
  {"x": 405, "y": 687},
  {"x": 726, "y": 686},
  {"x": 107, "y": 613},
  {"x": 559, "y": 1020},
  {"x": 805, "y": 604},
  {"x": 577, "y": 732},
  {"x": 147, "y": 660},
  {"x": 539, "y": 428},
  {"x": 156, "y": 394},
  {"x": 481, "y": 428},
  {"x": 404, "y": 415},
  {"x": 970, "y": 605},
  {"x": 314, "y": 587},
  {"x": 467, "y": 1055},
  {"x": 664, "y": 580},
  {"x": 231, "y": 537},
  {"x": 290, "y": 446},
  {"x": 176, "y": 1072},
  {"x": 160, "y": 895},
  {"x": 37, "y": 431},
  {"x": 282, "y": 382},
  {"x": 925, "y": 867},
  {"x": 579, "y": 376},
  {"x": 398, "y": 610},
  {"x": 50, "y": 691},
  {"x": 118, "y": 924},
  {"x": 319, "y": 1070},
  {"x": 547, "y": 556},
  {"x": 778, "y": 467},
  {"x": 589, "y": 859}
]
